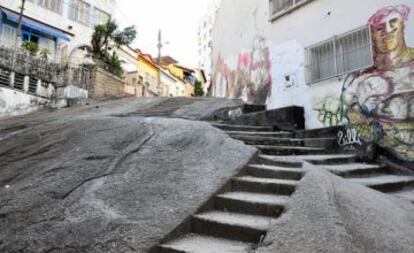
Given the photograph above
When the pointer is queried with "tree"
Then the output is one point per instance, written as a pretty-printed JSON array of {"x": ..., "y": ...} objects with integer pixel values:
[
  {"x": 107, "y": 36},
  {"x": 198, "y": 89}
]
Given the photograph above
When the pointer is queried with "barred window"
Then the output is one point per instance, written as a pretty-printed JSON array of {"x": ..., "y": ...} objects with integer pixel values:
[
  {"x": 100, "y": 17},
  {"x": 339, "y": 55},
  {"x": 53, "y": 5},
  {"x": 80, "y": 12},
  {"x": 278, "y": 7}
]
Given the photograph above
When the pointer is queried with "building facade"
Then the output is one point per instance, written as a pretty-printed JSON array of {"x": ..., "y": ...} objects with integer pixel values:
[
  {"x": 58, "y": 25},
  {"x": 346, "y": 63},
  {"x": 170, "y": 84},
  {"x": 205, "y": 36},
  {"x": 148, "y": 76}
]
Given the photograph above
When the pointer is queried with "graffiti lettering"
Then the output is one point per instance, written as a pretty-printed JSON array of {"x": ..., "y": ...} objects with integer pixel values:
[
  {"x": 349, "y": 138},
  {"x": 235, "y": 113}
]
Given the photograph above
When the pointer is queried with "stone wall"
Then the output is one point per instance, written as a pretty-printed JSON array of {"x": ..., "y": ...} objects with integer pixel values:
[{"x": 105, "y": 85}]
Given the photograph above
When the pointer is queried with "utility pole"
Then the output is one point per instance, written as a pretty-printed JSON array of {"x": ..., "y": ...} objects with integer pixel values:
[
  {"x": 18, "y": 33},
  {"x": 19, "y": 27},
  {"x": 159, "y": 61}
]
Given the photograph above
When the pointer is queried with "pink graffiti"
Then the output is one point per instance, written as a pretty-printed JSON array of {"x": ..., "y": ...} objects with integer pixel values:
[
  {"x": 244, "y": 60},
  {"x": 378, "y": 17}
]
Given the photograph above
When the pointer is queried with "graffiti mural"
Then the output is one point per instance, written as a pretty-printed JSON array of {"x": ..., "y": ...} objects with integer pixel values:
[
  {"x": 251, "y": 80},
  {"x": 379, "y": 102}
]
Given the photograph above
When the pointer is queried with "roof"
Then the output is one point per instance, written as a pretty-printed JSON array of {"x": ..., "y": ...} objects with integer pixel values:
[
  {"x": 148, "y": 59},
  {"x": 167, "y": 60},
  {"x": 184, "y": 68}
]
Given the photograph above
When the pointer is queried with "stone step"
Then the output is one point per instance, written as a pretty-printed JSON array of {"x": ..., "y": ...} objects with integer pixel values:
[
  {"x": 314, "y": 159},
  {"x": 321, "y": 142},
  {"x": 330, "y": 159},
  {"x": 405, "y": 194},
  {"x": 385, "y": 183},
  {"x": 260, "y": 134},
  {"x": 353, "y": 170},
  {"x": 263, "y": 185},
  {"x": 195, "y": 243},
  {"x": 233, "y": 226},
  {"x": 227, "y": 127},
  {"x": 263, "y": 140},
  {"x": 282, "y": 161},
  {"x": 266, "y": 171},
  {"x": 251, "y": 203},
  {"x": 288, "y": 150}
]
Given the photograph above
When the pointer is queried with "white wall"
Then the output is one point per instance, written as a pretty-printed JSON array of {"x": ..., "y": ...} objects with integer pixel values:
[
  {"x": 239, "y": 22},
  {"x": 15, "y": 103}
]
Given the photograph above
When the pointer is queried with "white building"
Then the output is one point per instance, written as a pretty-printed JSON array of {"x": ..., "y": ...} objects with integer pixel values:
[
  {"x": 345, "y": 62},
  {"x": 169, "y": 83},
  {"x": 59, "y": 25},
  {"x": 205, "y": 30}
]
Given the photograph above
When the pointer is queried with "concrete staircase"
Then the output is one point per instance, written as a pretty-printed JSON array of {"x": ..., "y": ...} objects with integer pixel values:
[
  {"x": 240, "y": 215},
  {"x": 276, "y": 147}
]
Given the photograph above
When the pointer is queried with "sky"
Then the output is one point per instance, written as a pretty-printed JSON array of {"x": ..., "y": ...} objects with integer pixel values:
[{"x": 178, "y": 20}]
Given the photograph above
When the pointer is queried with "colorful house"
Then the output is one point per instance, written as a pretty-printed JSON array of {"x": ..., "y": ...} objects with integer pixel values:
[{"x": 147, "y": 76}]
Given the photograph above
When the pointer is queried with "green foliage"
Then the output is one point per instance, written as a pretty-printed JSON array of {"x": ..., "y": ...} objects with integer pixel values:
[
  {"x": 30, "y": 46},
  {"x": 115, "y": 65},
  {"x": 107, "y": 36},
  {"x": 126, "y": 37},
  {"x": 198, "y": 89},
  {"x": 44, "y": 53}
]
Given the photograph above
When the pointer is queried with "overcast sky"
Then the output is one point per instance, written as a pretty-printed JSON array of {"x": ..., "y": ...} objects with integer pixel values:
[{"x": 178, "y": 20}]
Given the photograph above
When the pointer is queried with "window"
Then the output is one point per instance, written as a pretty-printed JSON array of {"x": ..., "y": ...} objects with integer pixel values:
[
  {"x": 340, "y": 55},
  {"x": 53, "y": 5},
  {"x": 100, "y": 17},
  {"x": 280, "y": 7},
  {"x": 7, "y": 35},
  {"x": 80, "y": 11}
]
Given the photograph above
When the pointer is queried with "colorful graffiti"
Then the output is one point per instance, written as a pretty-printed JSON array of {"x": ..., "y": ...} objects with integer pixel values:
[
  {"x": 251, "y": 80},
  {"x": 379, "y": 102}
]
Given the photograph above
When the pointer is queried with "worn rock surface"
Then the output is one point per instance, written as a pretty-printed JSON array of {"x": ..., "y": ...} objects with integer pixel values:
[
  {"x": 206, "y": 107},
  {"x": 78, "y": 180},
  {"x": 329, "y": 214}
]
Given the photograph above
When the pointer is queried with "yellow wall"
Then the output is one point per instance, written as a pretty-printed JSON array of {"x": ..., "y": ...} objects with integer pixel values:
[
  {"x": 145, "y": 67},
  {"x": 176, "y": 71}
]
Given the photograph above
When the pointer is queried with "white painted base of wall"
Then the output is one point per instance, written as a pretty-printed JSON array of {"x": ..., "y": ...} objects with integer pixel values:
[
  {"x": 73, "y": 92},
  {"x": 15, "y": 103}
]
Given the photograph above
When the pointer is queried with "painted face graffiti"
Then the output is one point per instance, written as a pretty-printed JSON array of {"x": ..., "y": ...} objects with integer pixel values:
[
  {"x": 387, "y": 27},
  {"x": 379, "y": 102}
]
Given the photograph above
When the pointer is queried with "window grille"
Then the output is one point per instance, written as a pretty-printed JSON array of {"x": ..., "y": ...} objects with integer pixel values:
[
  {"x": 53, "y": 5},
  {"x": 339, "y": 55}
]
